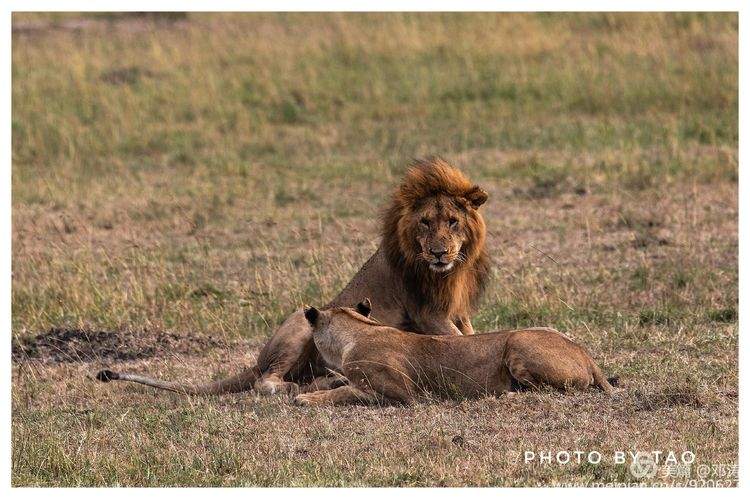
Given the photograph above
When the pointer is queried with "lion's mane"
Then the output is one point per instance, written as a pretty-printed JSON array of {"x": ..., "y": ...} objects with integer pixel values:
[{"x": 457, "y": 291}]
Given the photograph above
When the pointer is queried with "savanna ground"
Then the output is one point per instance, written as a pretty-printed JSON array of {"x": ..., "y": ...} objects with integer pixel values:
[{"x": 182, "y": 184}]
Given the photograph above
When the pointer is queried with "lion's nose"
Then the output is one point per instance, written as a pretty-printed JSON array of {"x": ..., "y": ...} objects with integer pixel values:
[{"x": 437, "y": 254}]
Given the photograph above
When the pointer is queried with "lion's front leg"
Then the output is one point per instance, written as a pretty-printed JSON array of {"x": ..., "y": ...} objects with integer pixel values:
[
  {"x": 328, "y": 382},
  {"x": 287, "y": 357},
  {"x": 338, "y": 396},
  {"x": 464, "y": 325},
  {"x": 437, "y": 325}
]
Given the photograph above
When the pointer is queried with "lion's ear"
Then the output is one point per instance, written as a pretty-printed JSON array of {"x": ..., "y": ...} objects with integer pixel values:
[
  {"x": 364, "y": 307},
  {"x": 476, "y": 196},
  {"x": 312, "y": 314}
]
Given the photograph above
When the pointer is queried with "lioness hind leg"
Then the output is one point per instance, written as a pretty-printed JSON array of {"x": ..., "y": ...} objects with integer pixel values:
[
  {"x": 347, "y": 394},
  {"x": 519, "y": 373},
  {"x": 532, "y": 370}
]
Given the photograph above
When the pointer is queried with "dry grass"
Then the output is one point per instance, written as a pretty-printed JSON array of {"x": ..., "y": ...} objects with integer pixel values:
[{"x": 180, "y": 185}]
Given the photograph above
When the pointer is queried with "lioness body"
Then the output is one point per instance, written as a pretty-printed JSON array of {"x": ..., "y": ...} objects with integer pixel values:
[
  {"x": 426, "y": 276},
  {"x": 383, "y": 362}
]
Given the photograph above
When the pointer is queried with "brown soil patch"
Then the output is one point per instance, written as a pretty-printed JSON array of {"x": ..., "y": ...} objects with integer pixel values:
[{"x": 59, "y": 345}]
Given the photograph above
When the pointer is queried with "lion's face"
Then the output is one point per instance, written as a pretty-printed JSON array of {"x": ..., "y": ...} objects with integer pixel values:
[
  {"x": 440, "y": 225},
  {"x": 433, "y": 225}
]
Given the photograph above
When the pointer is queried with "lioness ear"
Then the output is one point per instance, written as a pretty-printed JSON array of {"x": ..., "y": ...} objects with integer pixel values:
[
  {"x": 364, "y": 307},
  {"x": 312, "y": 314},
  {"x": 476, "y": 196}
]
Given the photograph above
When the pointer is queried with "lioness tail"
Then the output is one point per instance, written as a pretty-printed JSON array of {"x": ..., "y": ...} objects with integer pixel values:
[
  {"x": 238, "y": 383},
  {"x": 602, "y": 382}
]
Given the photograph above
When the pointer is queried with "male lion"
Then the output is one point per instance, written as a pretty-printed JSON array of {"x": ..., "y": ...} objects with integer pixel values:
[
  {"x": 383, "y": 363},
  {"x": 426, "y": 277}
]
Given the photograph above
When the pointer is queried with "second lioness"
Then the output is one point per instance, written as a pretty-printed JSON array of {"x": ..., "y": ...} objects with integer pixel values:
[{"x": 385, "y": 363}]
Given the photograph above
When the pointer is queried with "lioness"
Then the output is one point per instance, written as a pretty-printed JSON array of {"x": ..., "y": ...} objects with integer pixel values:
[
  {"x": 385, "y": 363},
  {"x": 426, "y": 276}
]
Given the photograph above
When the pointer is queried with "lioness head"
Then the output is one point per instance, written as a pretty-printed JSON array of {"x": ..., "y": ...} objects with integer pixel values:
[
  {"x": 433, "y": 220},
  {"x": 319, "y": 319}
]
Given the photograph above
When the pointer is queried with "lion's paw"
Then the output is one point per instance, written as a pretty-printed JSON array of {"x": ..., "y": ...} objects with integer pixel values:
[{"x": 271, "y": 387}]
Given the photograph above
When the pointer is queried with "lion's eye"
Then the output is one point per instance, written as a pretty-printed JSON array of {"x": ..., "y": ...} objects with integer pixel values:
[
  {"x": 425, "y": 222},
  {"x": 452, "y": 223}
]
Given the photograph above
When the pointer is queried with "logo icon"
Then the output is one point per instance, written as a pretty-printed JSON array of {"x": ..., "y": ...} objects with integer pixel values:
[
  {"x": 703, "y": 471},
  {"x": 643, "y": 466}
]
